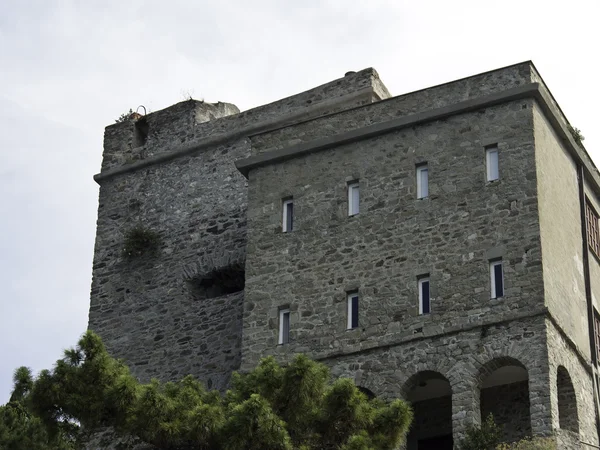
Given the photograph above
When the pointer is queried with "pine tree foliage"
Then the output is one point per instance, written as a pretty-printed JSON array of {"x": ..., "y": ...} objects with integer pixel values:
[
  {"x": 487, "y": 436},
  {"x": 273, "y": 407},
  {"x": 20, "y": 430}
]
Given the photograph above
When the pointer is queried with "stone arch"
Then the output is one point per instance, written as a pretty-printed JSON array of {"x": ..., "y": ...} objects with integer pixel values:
[
  {"x": 368, "y": 392},
  {"x": 491, "y": 366},
  {"x": 418, "y": 378},
  {"x": 503, "y": 384},
  {"x": 567, "y": 401},
  {"x": 368, "y": 382},
  {"x": 430, "y": 395}
]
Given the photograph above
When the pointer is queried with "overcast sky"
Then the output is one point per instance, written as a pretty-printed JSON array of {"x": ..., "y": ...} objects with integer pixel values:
[{"x": 69, "y": 68}]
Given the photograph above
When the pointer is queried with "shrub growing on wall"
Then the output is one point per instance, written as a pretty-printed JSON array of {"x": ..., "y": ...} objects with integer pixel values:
[
  {"x": 530, "y": 444},
  {"x": 576, "y": 133},
  {"x": 125, "y": 116},
  {"x": 488, "y": 437},
  {"x": 140, "y": 241},
  {"x": 484, "y": 437}
]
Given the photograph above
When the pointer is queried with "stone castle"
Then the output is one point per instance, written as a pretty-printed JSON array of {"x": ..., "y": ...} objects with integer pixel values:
[{"x": 442, "y": 246}]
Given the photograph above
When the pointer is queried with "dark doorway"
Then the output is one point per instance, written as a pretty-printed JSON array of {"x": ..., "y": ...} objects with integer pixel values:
[
  {"x": 567, "y": 402},
  {"x": 505, "y": 395},
  {"x": 431, "y": 398},
  {"x": 436, "y": 443}
]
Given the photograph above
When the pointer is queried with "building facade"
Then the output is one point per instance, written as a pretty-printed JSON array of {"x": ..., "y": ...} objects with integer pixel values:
[{"x": 441, "y": 246}]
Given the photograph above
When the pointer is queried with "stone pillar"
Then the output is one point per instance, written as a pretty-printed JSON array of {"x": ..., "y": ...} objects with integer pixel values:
[
  {"x": 568, "y": 440},
  {"x": 465, "y": 407},
  {"x": 540, "y": 404}
]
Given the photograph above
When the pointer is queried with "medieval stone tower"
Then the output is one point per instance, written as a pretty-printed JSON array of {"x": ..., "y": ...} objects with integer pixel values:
[{"x": 442, "y": 246}]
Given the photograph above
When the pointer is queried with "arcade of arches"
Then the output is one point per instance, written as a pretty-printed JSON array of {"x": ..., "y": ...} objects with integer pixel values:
[{"x": 502, "y": 389}]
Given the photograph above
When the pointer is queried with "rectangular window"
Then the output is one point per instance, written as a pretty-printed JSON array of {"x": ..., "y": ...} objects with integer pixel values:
[
  {"x": 424, "y": 295},
  {"x": 491, "y": 159},
  {"x": 497, "y": 279},
  {"x": 353, "y": 198},
  {"x": 422, "y": 181},
  {"x": 288, "y": 215},
  {"x": 284, "y": 326},
  {"x": 597, "y": 335},
  {"x": 593, "y": 229},
  {"x": 352, "y": 310}
]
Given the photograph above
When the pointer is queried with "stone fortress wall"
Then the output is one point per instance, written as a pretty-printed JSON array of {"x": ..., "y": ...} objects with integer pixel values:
[{"x": 174, "y": 172}]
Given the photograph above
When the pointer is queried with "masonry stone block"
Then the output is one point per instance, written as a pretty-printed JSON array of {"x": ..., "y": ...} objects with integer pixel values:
[{"x": 211, "y": 181}]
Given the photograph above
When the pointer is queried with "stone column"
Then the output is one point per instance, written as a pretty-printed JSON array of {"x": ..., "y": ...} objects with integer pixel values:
[
  {"x": 540, "y": 404},
  {"x": 466, "y": 409}
]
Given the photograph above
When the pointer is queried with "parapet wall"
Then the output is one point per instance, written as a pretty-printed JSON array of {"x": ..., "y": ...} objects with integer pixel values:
[
  {"x": 404, "y": 105},
  {"x": 187, "y": 125},
  {"x": 133, "y": 140}
]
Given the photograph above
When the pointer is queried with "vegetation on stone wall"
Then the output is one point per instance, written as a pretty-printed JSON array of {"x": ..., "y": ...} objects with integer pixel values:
[
  {"x": 484, "y": 437},
  {"x": 140, "y": 241},
  {"x": 577, "y": 136},
  {"x": 125, "y": 116},
  {"x": 488, "y": 436},
  {"x": 270, "y": 408},
  {"x": 530, "y": 444}
]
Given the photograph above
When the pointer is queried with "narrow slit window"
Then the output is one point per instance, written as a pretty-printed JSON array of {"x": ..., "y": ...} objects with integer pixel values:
[
  {"x": 353, "y": 198},
  {"x": 497, "y": 279},
  {"x": 424, "y": 295},
  {"x": 491, "y": 158},
  {"x": 284, "y": 326},
  {"x": 288, "y": 215},
  {"x": 422, "y": 181},
  {"x": 141, "y": 132},
  {"x": 353, "y": 310}
]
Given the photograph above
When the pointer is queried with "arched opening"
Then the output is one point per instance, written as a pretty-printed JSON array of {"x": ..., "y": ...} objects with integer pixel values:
[
  {"x": 368, "y": 392},
  {"x": 504, "y": 393},
  {"x": 431, "y": 398},
  {"x": 567, "y": 402}
]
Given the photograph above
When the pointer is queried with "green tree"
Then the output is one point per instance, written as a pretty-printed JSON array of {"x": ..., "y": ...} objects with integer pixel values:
[
  {"x": 484, "y": 437},
  {"x": 20, "y": 430},
  {"x": 273, "y": 407}
]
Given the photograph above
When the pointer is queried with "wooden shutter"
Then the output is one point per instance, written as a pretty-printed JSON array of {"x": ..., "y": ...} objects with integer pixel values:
[
  {"x": 597, "y": 335},
  {"x": 593, "y": 230}
]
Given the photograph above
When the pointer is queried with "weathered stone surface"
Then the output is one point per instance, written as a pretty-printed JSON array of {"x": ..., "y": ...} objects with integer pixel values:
[
  {"x": 145, "y": 308},
  {"x": 186, "y": 123},
  {"x": 509, "y": 404},
  {"x": 396, "y": 237},
  {"x": 560, "y": 233},
  {"x": 400, "y": 106},
  {"x": 151, "y": 311}
]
